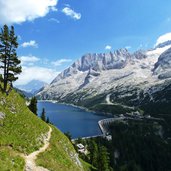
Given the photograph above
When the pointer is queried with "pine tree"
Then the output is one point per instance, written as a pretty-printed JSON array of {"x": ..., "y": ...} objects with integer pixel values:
[
  {"x": 43, "y": 115},
  {"x": 47, "y": 120},
  {"x": 33, "y": 105},
  {"x": 93, "y": 153},
  {"x": 103, "y": 159},
  {"x": 68, "y": 134},
  {"x": 8, "y": 56}
]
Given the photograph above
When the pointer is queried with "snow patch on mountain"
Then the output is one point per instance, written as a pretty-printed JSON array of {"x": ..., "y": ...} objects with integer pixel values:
[{"x": 163, "y": 66}]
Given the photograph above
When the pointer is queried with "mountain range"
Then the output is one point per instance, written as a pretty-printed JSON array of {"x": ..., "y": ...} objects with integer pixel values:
[
  {"x": 118, "y": 81},
  {"x": 32, "y": 87}
]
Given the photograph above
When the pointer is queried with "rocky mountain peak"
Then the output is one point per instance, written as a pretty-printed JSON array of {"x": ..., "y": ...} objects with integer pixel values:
[
  {"x": 97, "y": 62},
  {"x": 122, "y": 75},
  {"x": 163, "y": 66},
  {"x": 161, "y": 45},
  {"x": 139, "y": 55},
  {"x": 102, "y": 61}
]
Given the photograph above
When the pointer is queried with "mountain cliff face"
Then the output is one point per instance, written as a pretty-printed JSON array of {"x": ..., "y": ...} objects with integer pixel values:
[
  {"x": 127, "y": 79},
  {"x": 96, "y": 62},
  {"x": 163, "y": 66}
]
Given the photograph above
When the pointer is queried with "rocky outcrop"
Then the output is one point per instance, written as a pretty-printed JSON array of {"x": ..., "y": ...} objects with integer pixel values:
[
  {"x": 2, "y": 115},
  {"x": 92, "y": 74},
  {"x": 164, "y": 44},
  {"x": 163, "y": 66},
  {"x": 139, "y": 55},
  {"x": 97, "y": 62}
]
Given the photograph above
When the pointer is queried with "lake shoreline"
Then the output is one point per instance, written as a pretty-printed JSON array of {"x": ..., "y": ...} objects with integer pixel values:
[
  {"x": 80, "y": 107},
  {"x": 74, "y": 119}
]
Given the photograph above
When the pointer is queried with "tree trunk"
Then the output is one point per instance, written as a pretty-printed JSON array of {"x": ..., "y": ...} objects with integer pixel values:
[{"x": 5, "y": 75}]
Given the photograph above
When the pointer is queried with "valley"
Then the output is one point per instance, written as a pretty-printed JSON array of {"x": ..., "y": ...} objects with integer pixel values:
[{"x": 85, "y": 85}]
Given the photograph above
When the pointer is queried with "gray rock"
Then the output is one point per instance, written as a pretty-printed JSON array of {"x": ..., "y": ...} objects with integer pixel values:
[
  {"x": 2, "y": 115},
  {"x": 2, "y": 101},
  {"x": 165, "y": 75},
  {"x": 163, "y": 44},
  {"x": 90, "y": 76},
  {"x": 139, "y": 55},
  {"x": 163, "y": 65},
  {"x": 98, "y": 62}
]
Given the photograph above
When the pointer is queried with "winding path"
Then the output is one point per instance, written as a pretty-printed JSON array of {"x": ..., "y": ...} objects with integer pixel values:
[
  {"x": 30, "y": 159},
  {"x": 108, "y": 101}
]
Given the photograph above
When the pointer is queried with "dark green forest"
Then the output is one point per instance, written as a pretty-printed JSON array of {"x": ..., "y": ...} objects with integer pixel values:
[{"x": 135, "y": 146}]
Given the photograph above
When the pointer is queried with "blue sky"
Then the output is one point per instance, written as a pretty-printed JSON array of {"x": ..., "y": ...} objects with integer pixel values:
[{"x": 52, "y": 34}]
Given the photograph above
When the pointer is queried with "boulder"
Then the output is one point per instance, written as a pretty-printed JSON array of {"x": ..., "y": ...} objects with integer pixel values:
[{"x": 2, "y": 115}]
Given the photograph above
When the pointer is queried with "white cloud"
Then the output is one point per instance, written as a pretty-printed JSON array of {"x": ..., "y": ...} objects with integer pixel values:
[
  {"x": 53, "y": 8},
  {"x": 71, "y": 13},
  {"x": 108, "y": 47},
  {"x": 19, "y": 11},
  {"x": 128, "y": 47},
  {"x": 31, "y": 43},
  {"x": 60, "y": 62},
  {"x": 29, "y": 60},
  {"x": 54, "y": 20},
  {"x": 163, "y": 38},
  {"x": 36, "y": 73},
  {"x": 31, "y": 70}
]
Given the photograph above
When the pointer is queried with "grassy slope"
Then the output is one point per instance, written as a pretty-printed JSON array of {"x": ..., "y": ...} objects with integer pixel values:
[
  {"x": 60, "y": 149},
  {"x": 21, "y": 129},
  {"x": 21, "y": 132},
  {"x": 10, "y": 160}
]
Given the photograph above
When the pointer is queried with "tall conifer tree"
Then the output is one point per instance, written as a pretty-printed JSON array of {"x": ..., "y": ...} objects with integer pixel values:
[
  {"x": 9, "y": 61},
  {"x": 43, "y": 115},
  {"x": 33, "y": 105}
]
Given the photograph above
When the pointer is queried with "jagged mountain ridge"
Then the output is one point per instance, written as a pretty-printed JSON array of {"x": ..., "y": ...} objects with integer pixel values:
[
  {"x": 84, "y": 69},
  {"x": 97, "y": 62},
  {"x": 120, "y": 72}
]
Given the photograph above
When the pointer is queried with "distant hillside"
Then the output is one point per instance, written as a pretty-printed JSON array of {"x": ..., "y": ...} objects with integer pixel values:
[
  {"x": 24, "y": 93},
  {"x": 22, "y": 132},
  {"x": 32, "y": 87}
]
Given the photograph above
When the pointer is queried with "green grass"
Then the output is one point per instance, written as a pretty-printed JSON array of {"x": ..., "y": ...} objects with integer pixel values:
[
  {"x": 59, "y": 156},
  {"x": 20, "y": 129},
  {"x": 10, "y": 160},
  {"x": 21, "y": 132}
]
